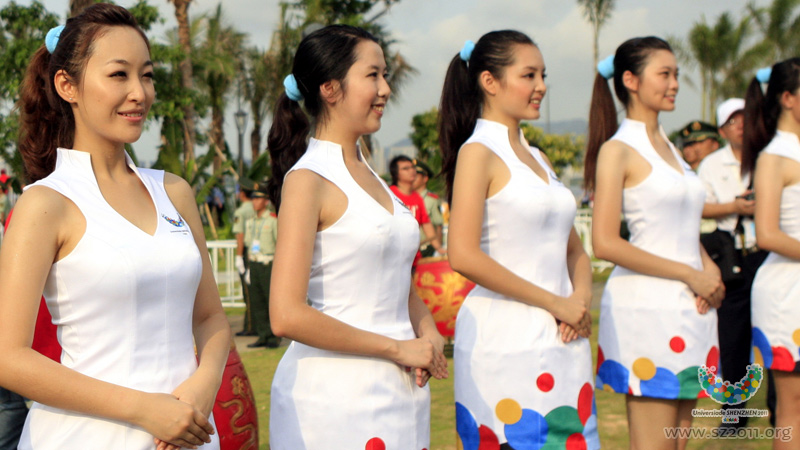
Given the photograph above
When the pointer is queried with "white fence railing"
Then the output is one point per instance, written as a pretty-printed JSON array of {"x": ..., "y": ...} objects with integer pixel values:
[
  {"x": 222, "y": 263},
  {"x": 230, "y": 288}
]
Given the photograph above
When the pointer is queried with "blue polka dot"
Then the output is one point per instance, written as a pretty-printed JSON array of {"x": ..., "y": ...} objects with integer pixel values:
[
  {"x": 664, "y": 384},
  {"x": 467, "y": 428},
  {"x": 760, "y": 341},
  {"x": 530, "y": 433},
  {"x": 613, "y": 374}
]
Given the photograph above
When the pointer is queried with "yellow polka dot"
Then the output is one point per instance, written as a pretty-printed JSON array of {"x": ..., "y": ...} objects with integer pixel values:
[
  {"x": 755, "y": 383},
  {"x": 796, "y": 337},
  {"x": 508, "y": 411},
  {"x": 459, "y": 444},
  {"x": 644, "y": 368},
  {"x": 757, "y": 358},
  {"x": 727, "y": 394},
  {"x": 608, "y": 388}
]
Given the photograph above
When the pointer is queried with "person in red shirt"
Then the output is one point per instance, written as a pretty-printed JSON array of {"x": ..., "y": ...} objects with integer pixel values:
[{"x": 404, "y": 173}]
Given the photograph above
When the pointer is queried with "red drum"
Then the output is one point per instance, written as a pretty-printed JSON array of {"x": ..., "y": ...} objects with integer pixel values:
[
  {"x": 235, "y": 408},
  {"x": 443, "y": 290}
]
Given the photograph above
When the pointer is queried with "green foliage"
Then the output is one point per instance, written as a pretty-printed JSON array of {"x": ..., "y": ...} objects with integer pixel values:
[
  {"x": 22, "y": 32},
  {"x": 563, "y": 150}
]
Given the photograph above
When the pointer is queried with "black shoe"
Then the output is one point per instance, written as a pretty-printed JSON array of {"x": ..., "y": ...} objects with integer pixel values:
[
  {"x": 274, "y": 343},
  {"x": 257, "y": 344},
  {"x": 247, "y": 333}
]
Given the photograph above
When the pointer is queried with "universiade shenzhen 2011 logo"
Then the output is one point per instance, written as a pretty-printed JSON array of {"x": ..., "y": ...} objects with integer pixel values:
[{"x": 727, "y": 393}]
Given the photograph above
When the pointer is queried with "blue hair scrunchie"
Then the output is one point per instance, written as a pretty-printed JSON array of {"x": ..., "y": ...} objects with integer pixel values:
[
  {"x": 763, "y": 75},
  {"x": 292, "y": 90},
  {"x": 51, "y": 40},
  {"x": 466, "y": 51},
  {"x": 606, "y": 67}
]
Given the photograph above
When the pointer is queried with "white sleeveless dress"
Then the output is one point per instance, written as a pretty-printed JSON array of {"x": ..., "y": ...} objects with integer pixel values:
[
  {"x": 360, "y": 275},
  {"x": 776, "y": 288},
  {"x": 122, "y": 301},
  {"x": 516, "y": 382},
  {"x": 652, "y": 340}
]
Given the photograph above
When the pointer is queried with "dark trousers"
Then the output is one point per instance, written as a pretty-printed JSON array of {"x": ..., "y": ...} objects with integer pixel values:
[
  {"x": 735, "y": 335},
  {"x": 12, "y": 417},
  {"x": 260, "y": 275},
  {"x": 735, "y": 329}
]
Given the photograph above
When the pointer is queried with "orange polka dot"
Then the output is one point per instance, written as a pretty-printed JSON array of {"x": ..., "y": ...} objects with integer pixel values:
[{"x": 644, "y": 368}]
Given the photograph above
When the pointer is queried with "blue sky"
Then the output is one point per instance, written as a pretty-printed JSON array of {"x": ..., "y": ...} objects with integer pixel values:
[{"x": 430, "y": 32}]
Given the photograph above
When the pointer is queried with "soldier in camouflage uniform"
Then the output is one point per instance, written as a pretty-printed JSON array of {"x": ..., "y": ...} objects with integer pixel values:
[{"x": 260, "y": 237}]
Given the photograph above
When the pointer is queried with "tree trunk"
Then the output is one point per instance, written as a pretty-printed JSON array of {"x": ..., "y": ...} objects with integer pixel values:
[
  {"x": 184, "y": 39},
  {"x": 77, "y": 6},
  {"x": 255, "y": 139},
  {"x": 217, "y": 136}
]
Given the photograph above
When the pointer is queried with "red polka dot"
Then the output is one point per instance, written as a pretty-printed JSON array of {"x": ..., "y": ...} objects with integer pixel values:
[
  {"x": 585, "y": 402},
  {"x": 782, "y": 359},
  {"x": 677, "y": 344},
  {"x": 375, "y": 444},
  {"x": 712, "y": 360},
  {"x": 600, "y": 357},
  {"x": 576, "y": 441},
  {"x": 488, "y": 439},
  {"x": 702, "y": 394},
  {"x": 545, "y": 382},
  {"x": 630, "y": 390}
]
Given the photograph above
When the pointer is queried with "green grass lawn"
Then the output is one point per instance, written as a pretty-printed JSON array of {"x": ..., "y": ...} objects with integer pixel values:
[{"x": 612, "y": 420}]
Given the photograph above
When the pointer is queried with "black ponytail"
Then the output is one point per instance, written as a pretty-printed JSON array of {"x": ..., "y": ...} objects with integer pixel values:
[
  {"x": 761, "y": 111},
  {"x": 324, "y": 55},
  {"x": 462, "y": 97},
  {"x": 631, "y": 56}
]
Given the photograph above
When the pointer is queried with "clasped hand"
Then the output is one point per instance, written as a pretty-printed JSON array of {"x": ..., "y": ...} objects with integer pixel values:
[
  {"x": 192, "y": 429},
  {"x": 426, "y": 355}
]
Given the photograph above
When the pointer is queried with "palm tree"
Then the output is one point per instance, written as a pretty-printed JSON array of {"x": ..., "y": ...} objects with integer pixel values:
[
  {"x": 257, "y": 84},
  {"x": 780, "y": 27},
  {"x": 597, "y": 12},
  {"x": 219, "y": 56},
  {"x": 718, "y": 52},
  {"x": 77, "y": 6},
  {"x": 187, "y": 80}
]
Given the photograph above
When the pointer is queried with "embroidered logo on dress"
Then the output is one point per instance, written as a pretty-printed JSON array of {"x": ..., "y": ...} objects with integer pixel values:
[{"x": 178, "y": 223}]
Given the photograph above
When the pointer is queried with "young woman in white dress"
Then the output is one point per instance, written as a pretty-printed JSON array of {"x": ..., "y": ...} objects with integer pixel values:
[
  {"x": 118, "y": 252},
  {"x": 772, "y": 149},
  {"x": 657, "y": 322},
  {"x": 523, "y": 365},
  {"x": 364, "y": 348}
]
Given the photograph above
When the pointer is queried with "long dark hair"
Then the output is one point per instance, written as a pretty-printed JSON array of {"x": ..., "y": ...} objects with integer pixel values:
[
  {"x": 631, "y": 56},
  {"x": 324, "y": 55},
  {"x": 46, "y": 120},
  {"x": 761, "y": 111},
  {"x": 462, "y": 96}
]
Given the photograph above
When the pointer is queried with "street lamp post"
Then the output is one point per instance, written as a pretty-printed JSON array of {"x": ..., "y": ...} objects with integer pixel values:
[{"x": 241, "y": 124}]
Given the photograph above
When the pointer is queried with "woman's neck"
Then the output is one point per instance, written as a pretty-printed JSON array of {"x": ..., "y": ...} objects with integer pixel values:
[
  {"x": 347, "y": 140},
  {"x": 646, "y": 116},
  {"x": 108, "y": 160},
  {"x": 787, "y": 123}
]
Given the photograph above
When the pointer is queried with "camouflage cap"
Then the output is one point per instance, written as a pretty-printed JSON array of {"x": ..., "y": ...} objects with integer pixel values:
[{"x": 697, "y": 131}]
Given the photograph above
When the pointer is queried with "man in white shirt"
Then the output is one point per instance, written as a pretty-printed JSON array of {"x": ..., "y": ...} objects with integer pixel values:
[{"x": 728, "y": 197}]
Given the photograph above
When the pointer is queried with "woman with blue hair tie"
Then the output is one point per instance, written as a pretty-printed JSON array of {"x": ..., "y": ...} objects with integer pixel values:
[
  {"x": 365, "y": 344},
  {"x": 118, "y": 252},
  {"x": 523, "y": 363},
  {"x": 772, "y": 151},
  {"x": 657, "y": 322}
]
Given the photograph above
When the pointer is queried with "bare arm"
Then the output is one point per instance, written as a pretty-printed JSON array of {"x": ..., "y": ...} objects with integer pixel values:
[
  {"x": 615, "y": 164},
  {"x": 45, "y": 223},
  {"x": 772, "y": 174},
  {"x": 739, "y": 206},
  {"x": 301, "y": 213},
  {"x": 211, "y": 330},
  {"x": 477, "y": 166},
  {"x": 425, "y": 327}
]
